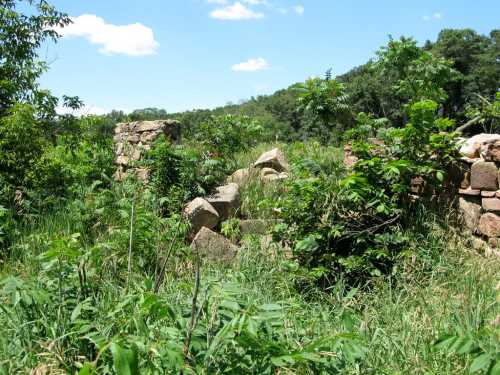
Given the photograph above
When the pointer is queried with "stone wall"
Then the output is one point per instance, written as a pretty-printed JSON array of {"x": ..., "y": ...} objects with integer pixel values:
[
  {"x": 475, "y": 182},
  {"x": 133, "y": 139},
  {"x": 479, "y": 193}
]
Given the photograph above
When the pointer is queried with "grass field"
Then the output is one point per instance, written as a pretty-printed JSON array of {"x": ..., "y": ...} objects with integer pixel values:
[{"x": 67, "y": 297}]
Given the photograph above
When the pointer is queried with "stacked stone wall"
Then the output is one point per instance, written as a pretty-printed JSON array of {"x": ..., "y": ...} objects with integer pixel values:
[
  {"x": 134, "y": 139},
  {"x": 475, "y": 182}
]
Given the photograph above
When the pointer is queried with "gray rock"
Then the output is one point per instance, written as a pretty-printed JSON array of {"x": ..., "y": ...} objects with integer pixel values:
[
  {"x": 226, "y": 200},
  {"x": 272, "y": 159},
  {"x": 470, "y": 208},
  {"x": 240, "y": 177},
  {"x": 489, "y": 225},
  {"x": 213, "y": 246},
  {"x": 201, "y": 213}
]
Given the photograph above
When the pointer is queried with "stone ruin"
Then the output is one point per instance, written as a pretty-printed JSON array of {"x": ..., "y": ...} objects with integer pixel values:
[
  {"x": 206, "y": 213},
  {"x": 476, "y": 181},
  {"x": 479, "y": 193},
  {"x": 134, "y": 139}
]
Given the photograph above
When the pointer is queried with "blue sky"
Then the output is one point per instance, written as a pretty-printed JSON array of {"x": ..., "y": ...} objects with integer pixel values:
[{"x": 186, "y": 54}]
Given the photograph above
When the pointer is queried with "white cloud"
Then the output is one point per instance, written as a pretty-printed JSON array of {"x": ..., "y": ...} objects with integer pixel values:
[
  {"x": 435, "y": 16},
  {"x": 235, "y": 12},
  {"x": 133, "y": 39},
  {"x": 299, "y": 9},
  {"x": 218, "y": 2},
  {"x": 255, "y": 2},
  {"x": 252, "y": 65}
]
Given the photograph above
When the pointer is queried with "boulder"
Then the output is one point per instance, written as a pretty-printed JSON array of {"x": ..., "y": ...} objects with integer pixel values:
[
  {"x": 484, "y": 176},
  {"x": 226, "y": 200},
  {"x": 240, "y": 177},
  {"x": 472, "y": 147},
  {"x": 213, "y": 246},
  {"x": 272, "y": 159},
  {"x": 491, "y": 204},
  {"x": 489, "y": 225},
  {"x": 470, "y": 208},
  {"x": 200, "y": 214}
]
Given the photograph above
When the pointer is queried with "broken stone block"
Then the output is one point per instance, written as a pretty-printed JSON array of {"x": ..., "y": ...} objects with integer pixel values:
[
  {"x": 226, "y": 200},
  {"x": 146, "y": 126},
  {"x": 489, "y": 225},
  {"x": 488, "y": 194},
  {"x": 470, "y": 208},
  {"x": 484, "y": 176},
  {"x": 490, "y": 151},
  {"x": 213, "y": 246},
  {"x": 201, "y": 213},
  {"x": 272, "y": 159},
  {"x": 240, "y": 177},
  {"x": 122, "y": 160},
  {"x": 470, "y": 192},
  {"x": 472, "y": 146},
  {"x": 491, "y": 204}
]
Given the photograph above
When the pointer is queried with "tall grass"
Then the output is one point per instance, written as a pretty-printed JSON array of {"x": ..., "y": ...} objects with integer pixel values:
[{"x": 50, "y": 319}]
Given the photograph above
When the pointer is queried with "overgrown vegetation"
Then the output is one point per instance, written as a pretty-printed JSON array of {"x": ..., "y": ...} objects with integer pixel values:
[{"x": 97, "y": 277}]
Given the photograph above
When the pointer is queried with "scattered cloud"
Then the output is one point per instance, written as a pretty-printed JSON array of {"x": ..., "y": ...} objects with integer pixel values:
[
  {"x": 283, "y": 10},
  {"x": 132, "y": 40},
  {"x": 218, "y": 2},
  {"x": 435, "y": 16},
  {"x": 235, "y": 12},
  {"x": 252, "y": 65},
  {"x": 256, "y": 2},
  {"x": 299, "y": 9}
]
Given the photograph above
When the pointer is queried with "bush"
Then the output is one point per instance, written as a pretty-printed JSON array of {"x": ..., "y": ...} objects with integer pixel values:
[{"x": 356, "y": 224}]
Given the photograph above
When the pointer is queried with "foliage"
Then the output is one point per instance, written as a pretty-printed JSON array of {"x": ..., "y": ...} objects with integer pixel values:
[
  {"x": 20, "y": 37},
  {"x": 183, "y": 172},
  {"x": 475, "y": 56},
  {"x": 417, "y": 73},
  {"x": 326, "y": 102},
  {"x": 487, "y": 114},
  {"x": 224, "y": 135},
  {"x": 481, "y": 345},
  {"x": 355, "y": 224},
  {"x": 21, "y": 144}
]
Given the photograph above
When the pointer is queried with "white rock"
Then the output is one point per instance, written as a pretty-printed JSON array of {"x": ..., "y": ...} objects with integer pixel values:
[{"x": 472, "y": 146}]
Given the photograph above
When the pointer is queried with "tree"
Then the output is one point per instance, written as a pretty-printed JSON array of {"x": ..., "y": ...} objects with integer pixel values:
[
  {"x": 477, "y": 58},
  {"x": 418, "y": 74},
  {"x": 326, "y": 102},
  {"x": 20, "y": 37}
]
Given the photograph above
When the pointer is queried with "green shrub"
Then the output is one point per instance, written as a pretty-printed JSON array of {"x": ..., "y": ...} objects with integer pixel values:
[{"x": 355, "y": 224}]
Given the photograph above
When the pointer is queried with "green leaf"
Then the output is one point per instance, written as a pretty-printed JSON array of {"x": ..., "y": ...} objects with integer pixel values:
[
  {"x": 480, "y": 363},
  {"x": 495, "y": 370},
  {"x": 125, "y": 360}
]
